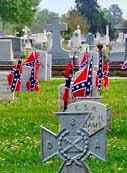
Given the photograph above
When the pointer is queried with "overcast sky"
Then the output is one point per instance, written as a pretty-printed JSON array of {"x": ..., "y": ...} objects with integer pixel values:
[{"x": 62, "y": 6}]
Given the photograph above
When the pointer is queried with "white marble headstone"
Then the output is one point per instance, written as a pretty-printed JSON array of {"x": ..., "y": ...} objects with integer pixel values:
[
  {"x": 43, "y": 68},
  {"x": 45, "y": 71},
  {"x": 5, "y": 91}
]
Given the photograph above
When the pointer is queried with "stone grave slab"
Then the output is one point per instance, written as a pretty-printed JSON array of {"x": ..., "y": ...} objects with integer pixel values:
[
  {"x": 96, "y": 120},
  {"x": 74, "y": 143},
  {"x": 45, "y": 71},
  {"x": 117, "y": 56},
  {"x": 90, "y": 40},
  {"x": 25, "y": 77},
  {"x": 89, "y": 104},
  {"x": 16, "y": 45},
  {"x": 96, "y": 99},
  {"x": 6, "y": 52},
  {"x": 43, "y": 68},
  {"x": 5, "y": 91},
  {"x": 59, "y": 55}
]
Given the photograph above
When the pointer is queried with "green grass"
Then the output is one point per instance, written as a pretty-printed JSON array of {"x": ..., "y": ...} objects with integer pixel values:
[{"x": 20, "y": 130}]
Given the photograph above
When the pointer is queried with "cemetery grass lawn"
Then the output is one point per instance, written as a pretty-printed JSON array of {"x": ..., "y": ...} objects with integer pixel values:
[{"x": 20, "y": 123}]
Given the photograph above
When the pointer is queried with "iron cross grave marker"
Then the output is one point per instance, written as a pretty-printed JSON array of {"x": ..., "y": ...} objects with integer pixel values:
[{"x": 73, "y": 144}]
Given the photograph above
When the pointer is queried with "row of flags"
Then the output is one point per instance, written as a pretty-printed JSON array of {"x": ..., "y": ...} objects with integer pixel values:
[
  {"x": 14, "y": 78},
  {"x": 81, "y": 87}
]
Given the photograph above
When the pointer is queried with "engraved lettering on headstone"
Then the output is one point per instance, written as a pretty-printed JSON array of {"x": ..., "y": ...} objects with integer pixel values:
[
  {"x": 96, "y": 118},
  {"x": 85, "y": 108},
  {"x": 77, "y": 108}
]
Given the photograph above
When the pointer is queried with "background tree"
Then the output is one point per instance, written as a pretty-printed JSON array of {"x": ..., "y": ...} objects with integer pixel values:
[
  {"x": 101, "y": 22},
  {"x": 124, "y": 22},
  {"x": 42, "y": 18},
  {"x": 90, "y": 10},
  {"x": 18, "y": 13},
  {"x": 116, "y": 14},
  {"x": 73, "y": 19}
]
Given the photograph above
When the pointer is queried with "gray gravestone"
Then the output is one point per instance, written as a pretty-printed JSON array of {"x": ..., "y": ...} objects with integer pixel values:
[
  {"x": 25, "y": 77},
  {"x": 117, "y": 56},
  {"x": 5, "y": 91},
  {"x": 96, "y": 120},
  {"x": 59, "y": 55},
  {"x": 117, "y": 53},
  {"x": 43, "y": 68},
  {"x": 45, "y": 71},
  {"x": 90, "y": 40},
  {"x": 6, "y": 53},
  {"x": 16, "y": 45},
  {"x": 74, "y": 143},
  {"x": 89, "y": 103}
]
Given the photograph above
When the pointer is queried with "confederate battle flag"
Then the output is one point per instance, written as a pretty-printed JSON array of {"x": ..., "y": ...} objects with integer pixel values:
[
  {"x": 99, "y": 77},
  {"x": 32, "y": 83},
  {"x": 81, "y": 86},
  {"x": 68, "y": 77},
  {"x": 84, "y": 60},
  {"x": 33, "y": 62},
  {"x": 14, "y": 78}
]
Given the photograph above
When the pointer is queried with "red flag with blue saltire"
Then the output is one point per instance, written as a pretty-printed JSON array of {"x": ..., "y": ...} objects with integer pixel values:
[
  {"x": 33, "y": 60},
  {"x": 84, "y": 60},
  {"x": 82, "y": 84},
  {"x": 105, "y": 75},
  {"x": 32, "y": 84},
  {"x": 99, "y": 76},
  {"x": 14, "y": 78},
  {"x": 68, "y": 77},
  {"x": 34, "y": 63}
]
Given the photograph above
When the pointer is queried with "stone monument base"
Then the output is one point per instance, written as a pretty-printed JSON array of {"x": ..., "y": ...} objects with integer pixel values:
[
  {"x": 63, "y": 61},
  {"x": 7, "y": 62}
]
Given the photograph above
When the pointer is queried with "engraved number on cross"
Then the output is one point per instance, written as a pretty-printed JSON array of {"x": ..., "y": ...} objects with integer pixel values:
[
  {"x": 73, "y": 122},
  {"x": 49, "y": 145}
]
